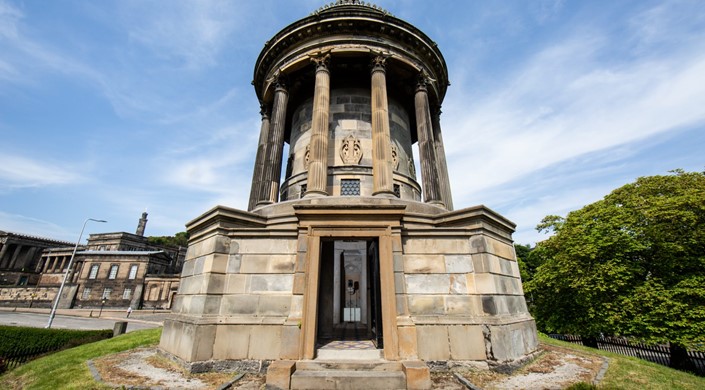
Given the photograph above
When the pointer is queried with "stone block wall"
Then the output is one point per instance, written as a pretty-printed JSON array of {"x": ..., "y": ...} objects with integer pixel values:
[
  {"x": 464, "y": 296},
  {"x": 239, "y": 293}
]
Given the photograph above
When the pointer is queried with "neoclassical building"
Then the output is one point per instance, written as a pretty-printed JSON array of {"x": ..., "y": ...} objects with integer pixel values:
[{"x": 350, "y": 245}]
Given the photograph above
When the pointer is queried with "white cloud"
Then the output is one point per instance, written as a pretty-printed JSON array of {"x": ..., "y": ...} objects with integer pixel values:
[
  {"x": 22, "y": 224},
  {"x": 18, "y": 171},
  {"x": 192, "y": 32},
  {"x": 563, "y": 103}
]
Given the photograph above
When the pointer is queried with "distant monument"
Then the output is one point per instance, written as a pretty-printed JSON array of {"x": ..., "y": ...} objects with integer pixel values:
[{"x": 349, "y": 246}]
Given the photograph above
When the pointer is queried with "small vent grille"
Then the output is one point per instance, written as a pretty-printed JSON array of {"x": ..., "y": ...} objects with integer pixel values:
[
  {"x": 397, "y": 190},
  {"x": 304, "y": 188},
  {"x": 350, "y": 187}
]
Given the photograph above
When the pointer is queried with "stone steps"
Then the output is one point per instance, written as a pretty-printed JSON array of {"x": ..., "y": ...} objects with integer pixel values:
[{"x": 348, "y": 379}]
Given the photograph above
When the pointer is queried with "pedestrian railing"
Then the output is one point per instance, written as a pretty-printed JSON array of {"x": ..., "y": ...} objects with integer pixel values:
[{"x": 668, "y": 355}]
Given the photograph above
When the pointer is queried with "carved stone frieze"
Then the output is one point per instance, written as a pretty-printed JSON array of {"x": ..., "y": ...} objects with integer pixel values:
[
  {"x": 307, "y": 156},
  {"x": 395, "y": 157},
  {"x": 351, "y": 150}
]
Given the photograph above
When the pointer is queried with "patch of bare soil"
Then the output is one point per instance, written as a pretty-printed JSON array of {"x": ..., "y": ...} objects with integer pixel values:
[
  {"x": 553, "y": 368},
  {"x": 144, "y": 367}
]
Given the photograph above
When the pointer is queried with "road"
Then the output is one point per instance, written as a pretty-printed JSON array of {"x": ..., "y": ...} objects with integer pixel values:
[{"x": 39, "y": 320}]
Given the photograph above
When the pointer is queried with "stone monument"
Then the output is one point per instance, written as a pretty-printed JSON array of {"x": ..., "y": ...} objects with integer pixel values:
[{"x": 349, "y": 246}]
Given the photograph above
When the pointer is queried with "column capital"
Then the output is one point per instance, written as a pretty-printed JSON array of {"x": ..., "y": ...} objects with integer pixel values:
[
  {"x": 422, "y": 81},
  {"x": 321, "y": 60},
  {"x": 264, "y": 110},
  {"x": 379, "y": 61}
]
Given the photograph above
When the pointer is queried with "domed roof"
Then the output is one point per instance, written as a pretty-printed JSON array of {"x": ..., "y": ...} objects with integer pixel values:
[
  {"x": 350, "y": 27},
  {"x": 351, "y": 3}
]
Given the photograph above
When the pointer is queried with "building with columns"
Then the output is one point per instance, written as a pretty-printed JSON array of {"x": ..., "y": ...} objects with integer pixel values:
[
  {"x": 349, "y": 246},
  {"x": 114, "y": 270}
]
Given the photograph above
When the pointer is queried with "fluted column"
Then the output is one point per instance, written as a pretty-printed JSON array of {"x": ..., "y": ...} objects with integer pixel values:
[
  {"x": 269, "y": 190},
  {"x": 381, "y": 141},
  {"x": 443, "y": 178},
  {"x": 318, "y": 163},
  {"x": 257, "y": 175},
  {"x": 427, "y": 153}
]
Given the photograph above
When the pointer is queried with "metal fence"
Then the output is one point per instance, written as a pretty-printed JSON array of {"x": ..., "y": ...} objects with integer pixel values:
[
  {"x": 22, "y": 355},
  {"x": 667, "y": 355}
]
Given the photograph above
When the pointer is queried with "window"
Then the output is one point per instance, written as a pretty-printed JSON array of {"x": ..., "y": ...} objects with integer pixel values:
[
  {"x": 133, "y": 271},
  {"x": 86, "y": 293},
  {"x": 350, "y": 187},
  {"x": 113, "y": 271},
  {"x": 94, "y": 271},
  {"x": 127, "y": 293},
  {"x": 106, "y": 293}
]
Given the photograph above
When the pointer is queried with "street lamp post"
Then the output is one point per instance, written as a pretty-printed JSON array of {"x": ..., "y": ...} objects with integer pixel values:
[
  {"x": 68, "y": 270},
  {"x": 102, "y": 303}
]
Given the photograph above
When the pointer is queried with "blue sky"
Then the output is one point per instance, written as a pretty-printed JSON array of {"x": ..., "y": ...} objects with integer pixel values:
[{"x": 108, "y": 108}]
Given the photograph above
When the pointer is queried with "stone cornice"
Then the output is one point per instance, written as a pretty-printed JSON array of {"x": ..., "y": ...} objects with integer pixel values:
[{"x": 357, "y": 26}]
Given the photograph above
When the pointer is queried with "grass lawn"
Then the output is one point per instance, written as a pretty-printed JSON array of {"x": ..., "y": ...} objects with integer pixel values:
[
  {"x": 68, "y": 370},
  {"x": 631, "y": 373}
]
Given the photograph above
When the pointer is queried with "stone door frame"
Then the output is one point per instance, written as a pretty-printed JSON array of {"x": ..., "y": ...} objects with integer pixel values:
[{"x": 381, "y": 223}]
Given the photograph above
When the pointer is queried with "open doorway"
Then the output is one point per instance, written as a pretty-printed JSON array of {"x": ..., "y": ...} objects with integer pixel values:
[{"x": 349, "y": 299}]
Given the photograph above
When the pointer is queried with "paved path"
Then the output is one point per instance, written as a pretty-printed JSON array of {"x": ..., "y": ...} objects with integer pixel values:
[{"x": 39, "y": 320}]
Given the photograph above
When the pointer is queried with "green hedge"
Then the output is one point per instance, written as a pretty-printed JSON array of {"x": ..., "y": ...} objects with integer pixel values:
[{"x": 13, "y": 338}]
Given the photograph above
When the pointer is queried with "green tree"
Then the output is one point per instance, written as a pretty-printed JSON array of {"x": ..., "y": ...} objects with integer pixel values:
[
  {"x": 631, "y": 264},
  {"x": 179, "y": 239}
]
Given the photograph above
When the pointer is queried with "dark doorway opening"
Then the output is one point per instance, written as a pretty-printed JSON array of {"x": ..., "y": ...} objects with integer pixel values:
[{"x": 349, "y": 301}]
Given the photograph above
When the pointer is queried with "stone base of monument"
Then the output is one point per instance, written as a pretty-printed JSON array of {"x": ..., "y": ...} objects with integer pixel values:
[{"x": 340, "y": 374}]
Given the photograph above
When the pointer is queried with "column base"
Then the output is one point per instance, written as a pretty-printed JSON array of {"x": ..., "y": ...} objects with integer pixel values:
[
  {"x": 436, "y": 203},
  {"x": 384, "y": 194},
  {"x": 315, "y": 194},
  {"x": 263, "y": 203}
]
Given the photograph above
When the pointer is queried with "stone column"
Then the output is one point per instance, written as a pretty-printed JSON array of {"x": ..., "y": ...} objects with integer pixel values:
[
  {"x": 257, "y": 178},
  {"x": 3, "y": 253},
  {"x": 318, "y": 163},
  {"x": 63, "y": 263},
  {"x": 269, "y": 190},
  {"x": 427, "y": 153},
  {"x": 15, "y": 255},
  {"x": 381, "y": 140},
  {"x": 443, "y": 178}
]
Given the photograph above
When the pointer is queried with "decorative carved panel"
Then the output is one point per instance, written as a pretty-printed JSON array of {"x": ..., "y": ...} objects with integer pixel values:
[
  {"x": 307, "y": 156},
  {"x": 395, "y": 157},
  {"x": 351, "y": 150}
]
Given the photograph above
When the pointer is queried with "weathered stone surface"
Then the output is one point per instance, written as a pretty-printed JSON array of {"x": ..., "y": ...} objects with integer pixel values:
[
  {"x": 268, "y": 246},
  {"x": 418, "y": 375},
  {"x": 436, "y": 246},
  {"x": 399, "y": 285},
  {"x": 459, "y": 264},
  {"x": 510, "y": 342},
  {"x": 271, "y": 283},
  {"x": 232, "y": 342},
  {"x": 279, "y": 374},
  {"x": 297, "y": 306},
  {"x": 407, "y": 342},
  {"x": 299, "y": 283},
  {"x": 467, "y": 342},
  {"x": 274, "y": 305},
  {"x": 426, "y": 305},
  {"x": 267, "y": 264},
  {"x": 424, "y": 264},
  {"x": 265, "y": 342},
  {"x": 458, "y": 284},
  {"x": 234, "y": 264},
  {"x": 239, "y": 304},
  {"x": 433, "y": 342},
  {"x": 462, "y": 305},
  {"x": 236, "y": 284},
  {"x": 428, "y": 284},
  {"x": 290, "y": 342}
]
